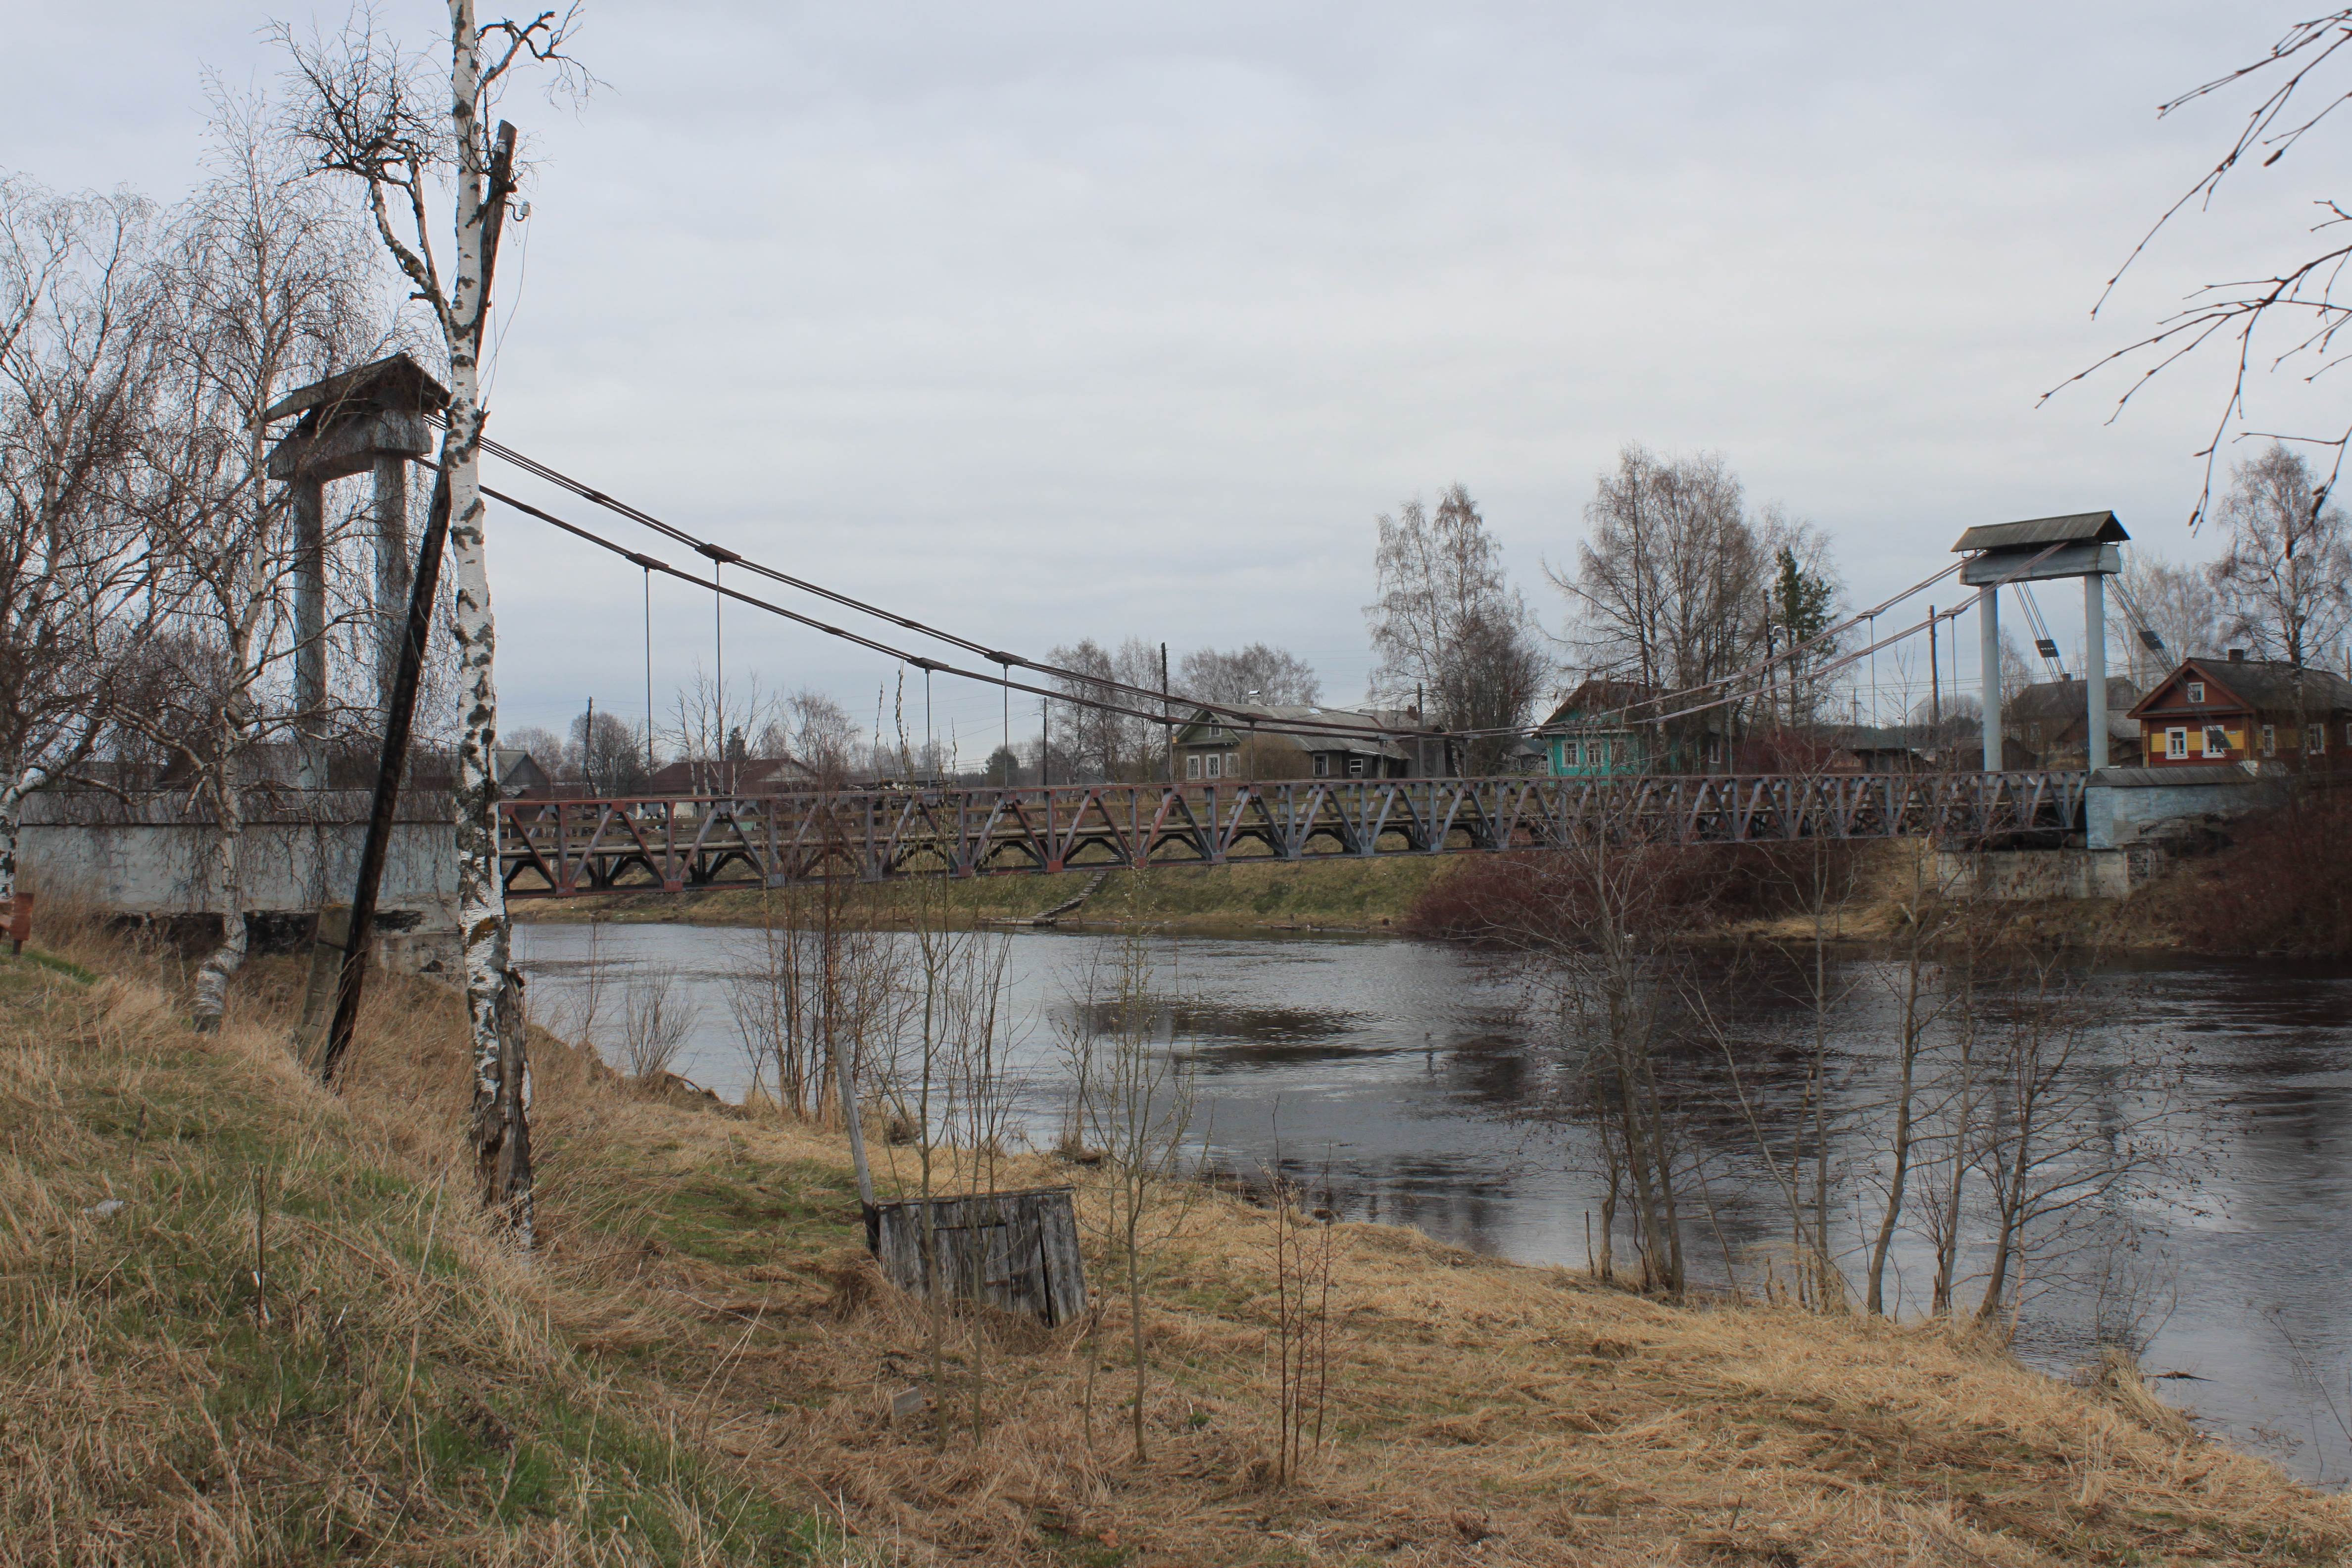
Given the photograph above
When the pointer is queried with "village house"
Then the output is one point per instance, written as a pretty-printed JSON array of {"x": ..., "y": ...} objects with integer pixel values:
[
  {"x": 519, "y": 776},
  {"x": 1604, "y": 728},
  {"x": 2241, "y": 709},
  {"x": 1215, "y": 747},
  {"x": 2052, "y": 719},
  {"x": 736, "y": 776}
]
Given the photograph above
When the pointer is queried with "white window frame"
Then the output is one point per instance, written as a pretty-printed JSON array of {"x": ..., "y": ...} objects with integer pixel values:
[
  {"x": 2269, "y": 739},
  {"x": 1193, "y": 765},
  {"x": 1600, "y": 753},
  {"x": 2211, "y": 731},
  {"x": 1322, "y": 764},
  {"x": 1215, "y": 764},
  {"x": 2196, "y": 691},
  {"x": 1355, "y": 766},
  {"x": 2315, "y": 740},
  {"x": 1233, "y": 764},
  {"x": 2175, "y": 744}
]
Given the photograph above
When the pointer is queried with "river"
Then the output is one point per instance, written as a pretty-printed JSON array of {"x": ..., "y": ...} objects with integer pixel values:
[{"x": 1406, "y": 1078}]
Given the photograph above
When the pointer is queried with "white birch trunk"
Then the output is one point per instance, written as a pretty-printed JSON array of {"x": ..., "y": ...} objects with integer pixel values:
[
  {"x": 481, "y": 895},
  {"x": 220, "y": 966},
  {"x": 12, "y": 816}
]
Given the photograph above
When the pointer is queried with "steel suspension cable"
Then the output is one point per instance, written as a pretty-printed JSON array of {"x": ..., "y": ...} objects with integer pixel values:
[{"x": 670, "y": 531}]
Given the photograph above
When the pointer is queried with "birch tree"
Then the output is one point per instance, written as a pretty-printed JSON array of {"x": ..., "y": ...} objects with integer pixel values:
[
  {"x": 365, "y": 115},
  {"x": 76, "y": 362},
  {"x": 263, "y": 287},
  {"x": 2285, "y": 581},
  {"x": 1449, "y": 627}
]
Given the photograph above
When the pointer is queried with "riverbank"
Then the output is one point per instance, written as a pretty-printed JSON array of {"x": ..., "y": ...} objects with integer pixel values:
[
  {"x": 293, "y": 1342},
  {"x": 1380, "y": 897},
  {"x": 1337, "y": 894}
]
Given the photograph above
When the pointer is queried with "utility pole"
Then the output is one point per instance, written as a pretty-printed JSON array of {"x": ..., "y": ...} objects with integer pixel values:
[
  {"x": 587, "y": 753},
  {"x": 1167, "y": 725},
  {"x": 1044, "y": 742},
  {"x": 1934, "y": 686},
  {"x": 400, "y": 717}
]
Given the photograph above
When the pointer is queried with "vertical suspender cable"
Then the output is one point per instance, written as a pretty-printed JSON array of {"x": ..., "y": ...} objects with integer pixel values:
[
  {"x": 649, "y": 669},
  {"x": 718, "y": 654}
]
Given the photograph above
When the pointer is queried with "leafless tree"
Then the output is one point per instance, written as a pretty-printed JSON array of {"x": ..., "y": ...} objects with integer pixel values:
[
  {"x": 2175, "y": 602},
  {"x": 608, "y": 754},
  {"x": 365, "y": 112},
  {"x": 1254, "y": 674},
  {"x": 78, "y": 351},
  {"x": 2285, "y": 581},
  {"x": 710, "y": 723},
  {"x": 1134, "y": 1103},
  {"x": 1108, "y": 746},
  {"x": 2288, "y": 319},
  {"x": 816, "y": 731},
  {"x": 1673, "y": 585},
  {"x": 264, "y": 287},
  {"x": 1448, "y": 625},
  {"x": 655, "y": 1023}
]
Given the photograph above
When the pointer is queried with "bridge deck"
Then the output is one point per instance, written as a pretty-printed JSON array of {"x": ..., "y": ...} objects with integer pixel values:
[{"x": 554, "y": 848}]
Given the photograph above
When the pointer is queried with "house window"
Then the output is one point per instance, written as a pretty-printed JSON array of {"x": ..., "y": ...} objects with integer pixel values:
[
  {"x": 1233, "y": 764},
  {"x": 1213, "y": 761},
  {"x": 2216, "y": 741},
  {"x": 2269, "y": 739},
  {"x": 1355, "y": 767},
  {"x": 2314, "y": 739},
  {"x": 1192, "y": 765},
  {"x": 2196, "y": 691},
  {"x": 2176, "y": 743},
  {"x": 1597, "y": 753},
  {"x": 1322, "y": 765}
]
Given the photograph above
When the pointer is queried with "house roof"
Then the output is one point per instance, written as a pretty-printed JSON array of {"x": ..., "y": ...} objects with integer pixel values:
[
  {"x": 1598, "y": 697},
  {"x": 2076, "y": 528},
  {"x": 1207, "y": 728},
  {"x": 2064, "y": 702},
  {"x": 743, "y": 774},
  {"x": 506, "y": 759},
  {"x": 2258, "y": 683}
]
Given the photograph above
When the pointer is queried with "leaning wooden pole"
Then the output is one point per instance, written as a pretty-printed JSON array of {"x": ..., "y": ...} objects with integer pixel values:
[{"x": 400, "y": 711}]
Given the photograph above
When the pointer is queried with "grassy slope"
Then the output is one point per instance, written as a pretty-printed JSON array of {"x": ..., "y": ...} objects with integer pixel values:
[{"x": 701, "y": 1363}]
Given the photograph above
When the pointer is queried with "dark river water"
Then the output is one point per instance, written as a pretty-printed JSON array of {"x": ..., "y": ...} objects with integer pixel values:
[{"x": 1410, "y": 1080}]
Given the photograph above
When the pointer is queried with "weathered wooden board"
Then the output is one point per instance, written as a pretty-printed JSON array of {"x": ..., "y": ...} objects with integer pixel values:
[{"x": 1016, "y": 1250}]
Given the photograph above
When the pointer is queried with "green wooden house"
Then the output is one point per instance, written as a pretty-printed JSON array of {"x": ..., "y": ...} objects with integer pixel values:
[{"x": 1593, "y": 733}]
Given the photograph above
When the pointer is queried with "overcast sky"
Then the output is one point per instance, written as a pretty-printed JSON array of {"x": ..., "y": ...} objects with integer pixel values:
[{"x": 1049, "y": 322}]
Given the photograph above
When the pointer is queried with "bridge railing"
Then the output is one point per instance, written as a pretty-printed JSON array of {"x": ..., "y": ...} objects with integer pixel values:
[{"x": 669, "y": 843}]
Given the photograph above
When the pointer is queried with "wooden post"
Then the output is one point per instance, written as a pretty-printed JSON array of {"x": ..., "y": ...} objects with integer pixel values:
[
  {"x": 20, "y": 920},
  {"x": 328, "y": 939}
]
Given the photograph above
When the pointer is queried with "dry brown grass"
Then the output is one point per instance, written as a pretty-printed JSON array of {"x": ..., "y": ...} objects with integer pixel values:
[{"x": 703, "y": 1302}]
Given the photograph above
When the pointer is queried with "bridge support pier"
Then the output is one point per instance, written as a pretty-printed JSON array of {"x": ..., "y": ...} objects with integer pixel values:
[
  {"x": 1988, "y": 653},
  {"x": 2095, "y": 666}
]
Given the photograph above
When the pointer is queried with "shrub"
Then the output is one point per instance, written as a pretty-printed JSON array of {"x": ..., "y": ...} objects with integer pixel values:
[
  {"x": 2279, "y": 887},
  {"x": 1531, "y": 891}
]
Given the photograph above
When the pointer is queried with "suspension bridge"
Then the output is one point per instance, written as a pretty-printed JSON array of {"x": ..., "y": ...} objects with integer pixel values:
[
  {"x": 376, "y": 414},
  {"x": 672, "y": 844}
]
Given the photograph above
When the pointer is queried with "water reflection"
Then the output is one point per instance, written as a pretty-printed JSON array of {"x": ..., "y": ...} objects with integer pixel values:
[{"x": 1403, "y": 1078}]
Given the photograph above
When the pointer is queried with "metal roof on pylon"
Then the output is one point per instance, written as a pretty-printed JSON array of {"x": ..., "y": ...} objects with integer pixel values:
[{"x": 2078, "y": 527}]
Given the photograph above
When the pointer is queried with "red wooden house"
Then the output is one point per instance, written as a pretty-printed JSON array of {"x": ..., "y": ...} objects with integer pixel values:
[{"x": 2238, "y": 710}]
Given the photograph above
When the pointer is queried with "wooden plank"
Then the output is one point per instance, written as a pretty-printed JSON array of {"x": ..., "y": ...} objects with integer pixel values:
[{"x": 1016, "y": 1251}]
